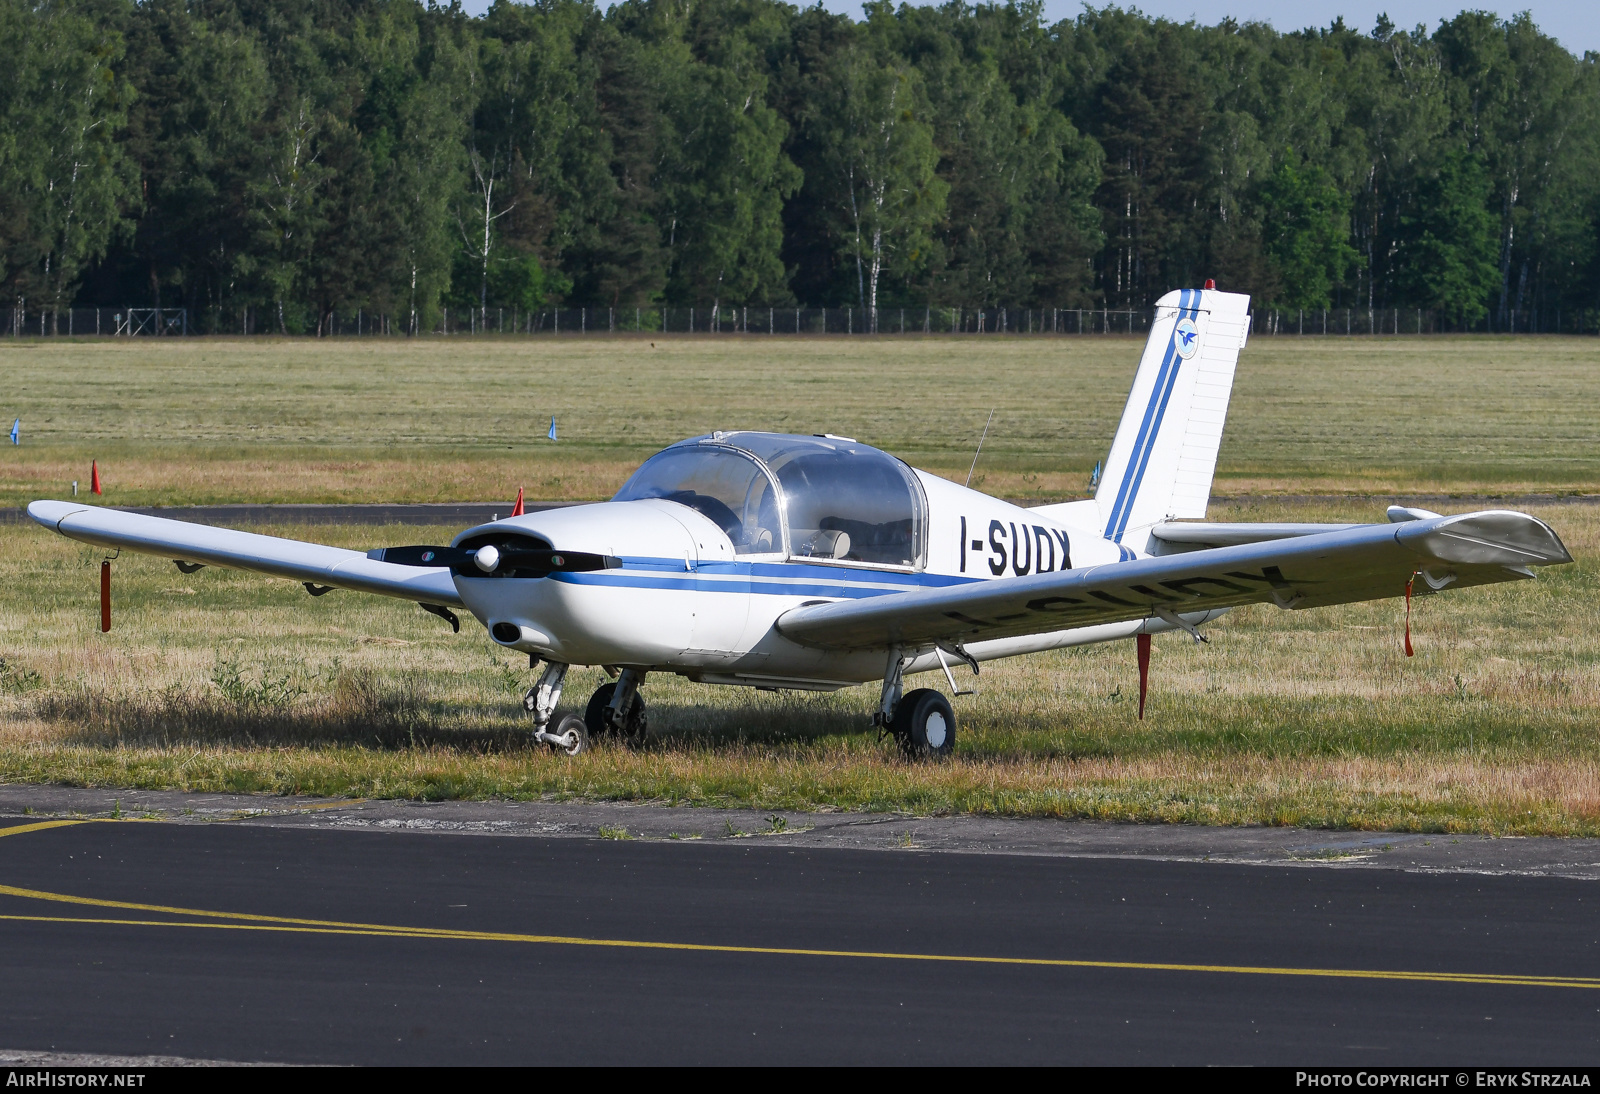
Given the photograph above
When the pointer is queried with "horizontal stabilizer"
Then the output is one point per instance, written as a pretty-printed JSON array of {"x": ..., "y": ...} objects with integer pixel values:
[{"x": 1191, "y": 534}]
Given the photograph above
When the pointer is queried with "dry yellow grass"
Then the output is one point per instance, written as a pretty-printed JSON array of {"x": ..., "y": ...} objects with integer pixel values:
[
  {"x": 219, "y": 420},
  {"x": 227, "y": 681}
]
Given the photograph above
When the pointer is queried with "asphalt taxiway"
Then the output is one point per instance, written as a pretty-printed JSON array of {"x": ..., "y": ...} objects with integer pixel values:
[{"x": 210, "y": 927}]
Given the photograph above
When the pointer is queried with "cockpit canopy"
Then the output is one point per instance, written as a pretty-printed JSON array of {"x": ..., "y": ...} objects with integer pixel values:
[{"x": 808, "y": 497}]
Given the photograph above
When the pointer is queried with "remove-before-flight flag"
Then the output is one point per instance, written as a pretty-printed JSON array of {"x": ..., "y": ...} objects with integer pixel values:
[
  {"x": 16, "y": 431},
  {"x": 552, "y": 427}
]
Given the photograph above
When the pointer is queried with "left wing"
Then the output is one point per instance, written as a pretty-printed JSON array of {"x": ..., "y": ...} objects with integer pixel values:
[
  {"x": 310, "y": 562},
  {"x": 1363, "y": 562}
]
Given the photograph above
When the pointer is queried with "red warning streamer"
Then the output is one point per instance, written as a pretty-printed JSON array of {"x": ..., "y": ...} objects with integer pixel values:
[
  {"x": 105, "y": 596},
  {"x": 1143, "y": 644},
  {"x": 1409, "y": 651}
]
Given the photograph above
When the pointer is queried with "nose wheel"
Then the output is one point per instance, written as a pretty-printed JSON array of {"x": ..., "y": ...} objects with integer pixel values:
[{"x": 572, "y": 736}]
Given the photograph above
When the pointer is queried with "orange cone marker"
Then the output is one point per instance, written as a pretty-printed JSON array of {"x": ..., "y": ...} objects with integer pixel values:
[
  {"x": 517, "y": 510},
  {"x": 94, "y": 483}
]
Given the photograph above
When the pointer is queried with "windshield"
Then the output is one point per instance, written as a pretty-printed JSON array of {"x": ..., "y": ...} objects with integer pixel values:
[
  {"x": 727, "y": 487},
  {"x": 843, "y": 500}
]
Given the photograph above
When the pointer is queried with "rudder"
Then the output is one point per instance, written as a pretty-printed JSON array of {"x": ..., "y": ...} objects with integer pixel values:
[{"x": 1164, "y": 455}]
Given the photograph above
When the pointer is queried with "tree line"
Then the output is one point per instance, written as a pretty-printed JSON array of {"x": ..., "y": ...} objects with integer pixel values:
[{"x": 290, "y": 160}]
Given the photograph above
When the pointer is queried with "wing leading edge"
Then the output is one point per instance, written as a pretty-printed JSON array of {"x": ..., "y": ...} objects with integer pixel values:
[
  {"x": 291, "y": 558},
  {"x": 1364, "y": 562}
]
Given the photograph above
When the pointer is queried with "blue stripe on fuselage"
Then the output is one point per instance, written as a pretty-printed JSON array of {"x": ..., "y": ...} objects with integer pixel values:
[{"x": 765, "y": 578}]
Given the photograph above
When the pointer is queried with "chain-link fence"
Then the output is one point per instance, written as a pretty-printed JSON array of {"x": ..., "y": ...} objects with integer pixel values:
[
  {"x": 73, "y": 322},
  {"x": 775, "y": 320},
  {"x": 1330, "y": 322}
]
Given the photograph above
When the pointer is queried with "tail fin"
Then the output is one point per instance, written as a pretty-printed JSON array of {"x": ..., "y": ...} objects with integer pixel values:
[{"x": 1165, "y": 450}]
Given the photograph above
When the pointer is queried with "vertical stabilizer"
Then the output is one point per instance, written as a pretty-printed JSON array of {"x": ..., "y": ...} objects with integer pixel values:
[{"x": 1165, "y": 451}]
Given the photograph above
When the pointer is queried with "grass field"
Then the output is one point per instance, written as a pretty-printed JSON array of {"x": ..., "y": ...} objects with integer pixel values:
[
  {"x": 201, "y": 420},
  {"x": 227, "y": 681}
]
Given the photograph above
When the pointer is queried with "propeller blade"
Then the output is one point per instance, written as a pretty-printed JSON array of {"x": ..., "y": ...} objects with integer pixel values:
[{"x": 490, "y": 559}]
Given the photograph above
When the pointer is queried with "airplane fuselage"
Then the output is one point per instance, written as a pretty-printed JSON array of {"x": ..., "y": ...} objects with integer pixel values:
[{"x": 652, "y": 612}]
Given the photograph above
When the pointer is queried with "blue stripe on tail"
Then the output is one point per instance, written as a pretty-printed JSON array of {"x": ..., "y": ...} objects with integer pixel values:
[{"x": 1150, "y": 427}]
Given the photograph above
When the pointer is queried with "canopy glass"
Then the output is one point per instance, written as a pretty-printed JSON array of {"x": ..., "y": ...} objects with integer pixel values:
[{"x": 824, "y": 498}]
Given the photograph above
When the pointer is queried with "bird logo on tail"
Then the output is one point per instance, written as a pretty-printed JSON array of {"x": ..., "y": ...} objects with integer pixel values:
[{"x": 1186, "y": 338}]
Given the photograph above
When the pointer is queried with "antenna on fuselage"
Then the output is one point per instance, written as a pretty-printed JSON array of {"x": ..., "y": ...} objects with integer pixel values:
[{"x": 975, "y": 455}]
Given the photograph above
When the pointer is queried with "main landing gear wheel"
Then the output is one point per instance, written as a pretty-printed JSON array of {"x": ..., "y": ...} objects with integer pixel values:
[
  {"x": 925, "y": 725},
  {"x": 600, "y": 727},
  {"x": 576, "y": 732}
]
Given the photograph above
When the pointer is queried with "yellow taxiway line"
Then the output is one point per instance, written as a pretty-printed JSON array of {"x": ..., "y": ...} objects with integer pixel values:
[
  {"x": 244, "y": 921},
  {"x": 19, "y": 829}
]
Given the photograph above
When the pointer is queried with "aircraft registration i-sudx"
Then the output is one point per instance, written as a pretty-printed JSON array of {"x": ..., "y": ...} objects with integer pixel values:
[{"x": 774, "y": 560}]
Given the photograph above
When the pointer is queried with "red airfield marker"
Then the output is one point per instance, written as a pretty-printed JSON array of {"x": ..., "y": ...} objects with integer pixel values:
[{"x": 1143, "y": 643}]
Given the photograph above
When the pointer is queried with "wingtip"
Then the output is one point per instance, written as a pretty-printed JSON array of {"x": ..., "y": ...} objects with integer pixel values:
[
  {"x": 1491, "y": 537},
  {"x": 52, "y": 513}
]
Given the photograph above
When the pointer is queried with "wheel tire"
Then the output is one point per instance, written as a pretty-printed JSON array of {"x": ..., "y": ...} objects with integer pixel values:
[
  {"x": 580, "y": 735},
  {"x": 925, "y": 725},
  {"x": 600, "y": 728}
]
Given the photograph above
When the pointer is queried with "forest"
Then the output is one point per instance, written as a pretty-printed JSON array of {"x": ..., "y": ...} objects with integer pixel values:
[{"x": 290, "y": 160}]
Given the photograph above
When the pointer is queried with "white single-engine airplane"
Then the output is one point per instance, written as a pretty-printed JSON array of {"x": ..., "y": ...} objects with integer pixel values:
[{"x": 773, "y": 560}]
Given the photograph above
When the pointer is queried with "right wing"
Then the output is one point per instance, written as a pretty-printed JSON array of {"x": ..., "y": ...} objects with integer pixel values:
[
  {"x": 309, "y": 562},
  {"x": 1363, "y": 562}
]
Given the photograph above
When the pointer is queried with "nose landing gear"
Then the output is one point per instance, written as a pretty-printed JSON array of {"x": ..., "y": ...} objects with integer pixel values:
[{"x": 571, "y": 735}]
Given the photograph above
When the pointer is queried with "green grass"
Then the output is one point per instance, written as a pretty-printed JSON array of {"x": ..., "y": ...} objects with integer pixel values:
[
  {"x": 227, "y": 681},
  {"x": 202, "y": 420},
  {"x": 224, "y": 681}
]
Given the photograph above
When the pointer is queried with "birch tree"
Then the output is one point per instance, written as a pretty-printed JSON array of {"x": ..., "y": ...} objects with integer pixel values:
[{"x": 886, "y": 194}]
